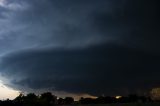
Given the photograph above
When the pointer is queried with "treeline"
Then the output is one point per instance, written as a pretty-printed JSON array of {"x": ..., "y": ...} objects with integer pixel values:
[
  {"x": 108, "y": 99},
  {"x": 48, "y": 99},
  {"x": 45, "y": 99}
]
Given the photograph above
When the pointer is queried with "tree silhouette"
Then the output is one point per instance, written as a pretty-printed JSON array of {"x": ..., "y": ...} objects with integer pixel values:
[
  {"x": 19, "y": 100},
  {"x": 133, "y": 98},
  {"x": 68, "y": 100},
  {"x": 31, "y": 99},
  {"x": 48, "y": 99},
  {"x": 60, "y": 101}
]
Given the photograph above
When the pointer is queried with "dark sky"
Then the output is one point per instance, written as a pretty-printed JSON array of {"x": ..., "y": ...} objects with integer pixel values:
[{"x": 80, "y": 46}]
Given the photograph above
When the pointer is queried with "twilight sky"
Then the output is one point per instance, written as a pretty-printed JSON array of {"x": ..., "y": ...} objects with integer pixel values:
[{"x": 80, "y": 47}]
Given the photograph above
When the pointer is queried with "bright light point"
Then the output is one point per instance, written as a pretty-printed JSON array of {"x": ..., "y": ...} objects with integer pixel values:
[
  {"x": 6, "y": 92},
  {"x": 118, "y": 97}
]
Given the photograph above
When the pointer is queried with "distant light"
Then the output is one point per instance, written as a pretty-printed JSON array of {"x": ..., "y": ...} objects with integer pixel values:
[
  {"x": 118, "y": 97},
  {"x": 155, "y": 94}
]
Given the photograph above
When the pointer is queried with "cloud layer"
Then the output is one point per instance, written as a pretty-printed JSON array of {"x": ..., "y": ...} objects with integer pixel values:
[
  {"x": 46, "y": 23},
  {"x": 83, "y": 46},
  {"x": 93, "y": 70}
]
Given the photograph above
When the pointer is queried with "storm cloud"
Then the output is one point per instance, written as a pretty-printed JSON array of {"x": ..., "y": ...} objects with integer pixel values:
[
  {"x": 94, "y": 70},
  {"x": 83, "y": 46}
]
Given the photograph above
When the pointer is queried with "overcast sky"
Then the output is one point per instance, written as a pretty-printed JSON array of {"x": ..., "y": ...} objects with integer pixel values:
[{"x": 76, "y": 47}]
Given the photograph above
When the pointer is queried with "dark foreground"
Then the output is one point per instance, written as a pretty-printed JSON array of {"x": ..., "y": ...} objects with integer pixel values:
[
  {"x": 48, "y": 99},
  {"x": 122, "y": 104}
]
